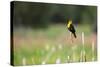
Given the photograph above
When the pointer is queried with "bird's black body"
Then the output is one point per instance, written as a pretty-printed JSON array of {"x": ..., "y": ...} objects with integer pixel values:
[{"x": 72, "y": 29}]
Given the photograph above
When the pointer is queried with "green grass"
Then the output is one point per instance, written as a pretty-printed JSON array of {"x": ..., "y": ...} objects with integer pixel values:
[{"x": 30, "y": 44}]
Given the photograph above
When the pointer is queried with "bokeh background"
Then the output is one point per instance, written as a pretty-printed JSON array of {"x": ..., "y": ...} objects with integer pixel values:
[{"x": 40, "y": 34}]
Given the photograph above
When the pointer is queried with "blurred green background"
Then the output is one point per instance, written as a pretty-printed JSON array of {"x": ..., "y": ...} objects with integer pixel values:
[
  {"x": 35, "y": 15},
  {"x": 40, "y": 35}
]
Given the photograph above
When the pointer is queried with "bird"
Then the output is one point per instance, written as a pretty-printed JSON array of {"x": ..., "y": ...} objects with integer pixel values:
[{"x": 71, "y": 28}]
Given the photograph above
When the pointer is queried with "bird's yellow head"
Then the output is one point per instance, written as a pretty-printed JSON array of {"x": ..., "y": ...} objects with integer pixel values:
[{"x": 69, "y": 23}]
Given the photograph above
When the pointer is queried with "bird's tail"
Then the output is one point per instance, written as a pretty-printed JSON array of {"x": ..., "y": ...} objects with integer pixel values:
[{"x": 75, "y": 35}]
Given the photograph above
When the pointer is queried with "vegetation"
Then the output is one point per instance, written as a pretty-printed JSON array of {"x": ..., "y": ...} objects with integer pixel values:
[{"x": 47, "y": 45}]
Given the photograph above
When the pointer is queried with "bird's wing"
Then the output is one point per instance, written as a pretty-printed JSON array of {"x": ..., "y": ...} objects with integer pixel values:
[{"x": 72, "y": 28}]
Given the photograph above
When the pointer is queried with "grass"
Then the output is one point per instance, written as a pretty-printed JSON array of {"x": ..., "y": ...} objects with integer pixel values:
[{"x": 31, "y": 44}]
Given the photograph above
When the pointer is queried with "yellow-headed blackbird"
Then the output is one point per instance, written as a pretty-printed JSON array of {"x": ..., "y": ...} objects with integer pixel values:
[{"x": 71, "y": 28}]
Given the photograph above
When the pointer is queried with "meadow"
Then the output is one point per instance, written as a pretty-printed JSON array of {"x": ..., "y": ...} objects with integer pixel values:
[{"x": 53, "y": 45}]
